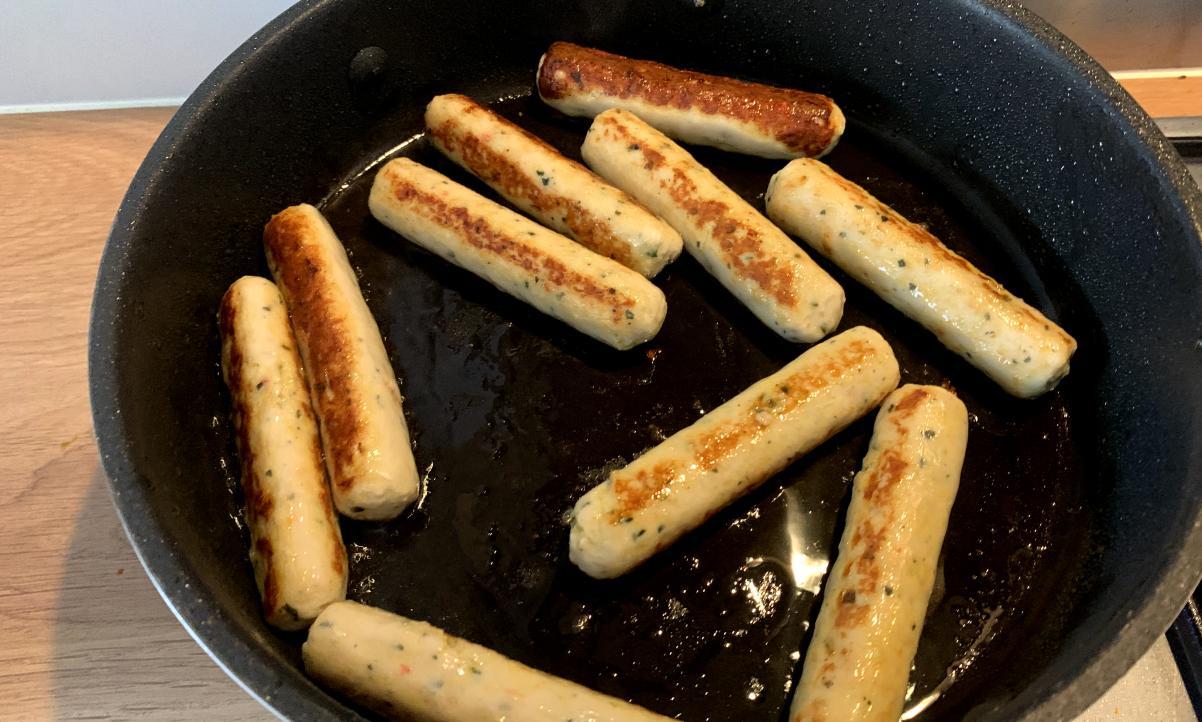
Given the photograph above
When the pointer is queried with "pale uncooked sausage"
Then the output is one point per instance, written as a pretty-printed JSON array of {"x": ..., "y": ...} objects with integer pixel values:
[
  {"x": 970, "y": 313},
  {"x": 406, "y": 669}
]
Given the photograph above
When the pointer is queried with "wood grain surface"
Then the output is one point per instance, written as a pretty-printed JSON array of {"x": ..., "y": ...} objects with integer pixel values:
[
  {"x": 1172, "y": 96},
  {"x": 84, "y": 634}
]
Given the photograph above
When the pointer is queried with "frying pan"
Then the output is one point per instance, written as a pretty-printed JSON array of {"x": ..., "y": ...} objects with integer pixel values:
[{"x": 1075, "y": 537}]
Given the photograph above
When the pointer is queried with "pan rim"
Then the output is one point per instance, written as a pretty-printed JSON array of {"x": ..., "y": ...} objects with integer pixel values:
[
  {"x": 1151, "y": 616},
  {"x": 240, "y": 659},
  {"x": 243, "y": 660}
]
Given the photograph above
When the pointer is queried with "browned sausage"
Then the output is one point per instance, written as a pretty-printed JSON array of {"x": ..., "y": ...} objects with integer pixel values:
[
  {"x": 363, "y": 430},
  {"x": 558, "y": 192},
  {"x": 858, "y": 663},
  {"x": 696, "y": 108}
]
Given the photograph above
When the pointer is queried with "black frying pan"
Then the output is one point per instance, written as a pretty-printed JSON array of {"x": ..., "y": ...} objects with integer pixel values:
[{"x": 1075, "y": 537}]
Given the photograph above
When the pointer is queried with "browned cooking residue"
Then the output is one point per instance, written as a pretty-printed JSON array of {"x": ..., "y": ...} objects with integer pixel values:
[
  {"x": 802, "y": 122},
  {"x": 477, "y": 232},
  {"x": 851, "y": 614},
  {"x": 935, "y": 247},
  {"x": 877, "y": 490},
  {"x": 497, "y": 169},
  {"x": 739, "y": 243},
  {"x": 815, "y": 711},
  {"x": 905, "y": 408},
  {"x": 303, "y": 270},
  {"x": 868, "y": 538},
  {"x": 635, "y": 490},
  {"x": 258, "y": 501},
  {"x": 828, "y": 668}
]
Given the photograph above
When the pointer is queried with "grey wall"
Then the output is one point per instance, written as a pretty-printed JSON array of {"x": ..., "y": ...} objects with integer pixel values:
[
  {"x": 102, "y": 53},
  {"x": 80, "y": 53},
  {"x": 1130, "y": 34}
]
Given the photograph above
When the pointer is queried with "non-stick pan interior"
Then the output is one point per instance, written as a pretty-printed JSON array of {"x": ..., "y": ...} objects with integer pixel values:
[
  {"x": 514, "y": 416},
  {"x": 1070, "y": 507}
]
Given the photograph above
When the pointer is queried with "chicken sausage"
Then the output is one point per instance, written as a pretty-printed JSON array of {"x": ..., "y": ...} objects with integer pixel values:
[
  {"x": 593, "y": 294},
  {"x": 671, "y": 489},
  {"x": 560, "y": 193},
  {"x": 363, "y": 431},
  {"x": 858, "y": 663},
  {"x": 295, "y": 546},
  {"x": 406, "y": 669},
  {"x": 969, "y": 312},
  {"x": 692, "y": 107},
  {"x": 753, "y": 259}
]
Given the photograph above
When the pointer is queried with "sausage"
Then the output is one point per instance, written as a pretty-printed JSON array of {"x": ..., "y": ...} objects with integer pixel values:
[
  {"x": 295, "y": 545},
  {"x": 354, "y": 389},
  {"x": 673, "y": 488},
  {"x": 858, "y": 663},
  {"x": 970, "y": 313},
  {"x": 692, "y": 107},
  {"x": 752, "y": 258},
  {"x": 593, "y": 294},
  {"x": 406, "y": 669},
  {"x": 560, "y": 193}
]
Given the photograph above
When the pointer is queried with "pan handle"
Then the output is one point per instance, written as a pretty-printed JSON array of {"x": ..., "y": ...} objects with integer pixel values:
[{"x": 1185, "y": 639}]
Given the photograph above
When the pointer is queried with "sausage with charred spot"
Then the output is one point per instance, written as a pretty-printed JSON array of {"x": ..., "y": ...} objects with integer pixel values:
[
  {"x": 295, "y": 546},
  {"x": 1013, "y": 343},
  {"x": 858, "y": 663},
  {"x": 405, "y": 669},
  {"x": 593, "y": 294},
  {"x": 692, "y": 107},
  {"x": 676, "y": 486},
  {"x": 752, "y": 258},
  {"x": 562, "y": 194},
  {"x": 355, "y": 391}
]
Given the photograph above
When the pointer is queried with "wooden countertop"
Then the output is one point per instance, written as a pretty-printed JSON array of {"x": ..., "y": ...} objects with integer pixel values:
[{"x": 85, "y": 636}]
